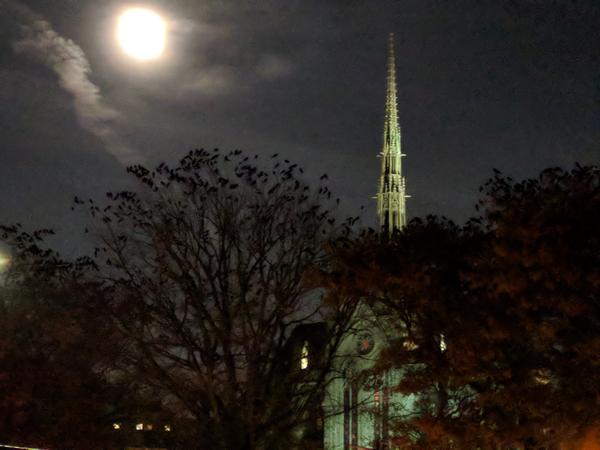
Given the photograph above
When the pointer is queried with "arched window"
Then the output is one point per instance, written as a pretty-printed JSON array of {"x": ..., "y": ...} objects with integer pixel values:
[{"x": 304, "y": 356}]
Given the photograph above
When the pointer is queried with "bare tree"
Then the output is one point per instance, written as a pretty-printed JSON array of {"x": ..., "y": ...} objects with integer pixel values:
[{"x": 208, "y": 271}]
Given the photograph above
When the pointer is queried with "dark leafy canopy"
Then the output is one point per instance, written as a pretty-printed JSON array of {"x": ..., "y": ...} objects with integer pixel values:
[
  {"x": 207, "y": 266},
  {"x": 500, "y": 320},
  {"x": 56, "y": 354},
  {"x": 541, "y": 269}
]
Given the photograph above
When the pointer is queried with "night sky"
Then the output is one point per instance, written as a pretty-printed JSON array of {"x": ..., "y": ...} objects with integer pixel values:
[{"x": 512, "y": 85}]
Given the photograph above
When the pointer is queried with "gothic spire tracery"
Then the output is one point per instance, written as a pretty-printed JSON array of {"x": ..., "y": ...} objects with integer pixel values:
[{"x": 391, "y": 197}]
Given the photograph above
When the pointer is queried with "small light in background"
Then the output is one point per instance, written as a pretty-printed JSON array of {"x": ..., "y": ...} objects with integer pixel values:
[
  {"x": 149, "y": 427},
  {"x": 443, "y": 346},
  {"x": 409, "y": 345},
  {"x": 542, "y": 376},
  {"x": 116, "y": 426},
  {"x": 167, "y": 427},
  {"x": 139, "y": 426},
  {"x": 4, "y": 261},
  {"x": 304, "y": 356}
]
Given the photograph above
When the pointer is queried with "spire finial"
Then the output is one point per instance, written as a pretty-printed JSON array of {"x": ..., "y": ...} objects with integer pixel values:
[
  {"x": 391, "y": 198},
  {"x": 391, "y": 107}
]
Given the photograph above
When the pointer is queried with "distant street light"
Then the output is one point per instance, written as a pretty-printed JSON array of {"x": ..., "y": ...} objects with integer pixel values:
[{"x": 4, "y": 262}]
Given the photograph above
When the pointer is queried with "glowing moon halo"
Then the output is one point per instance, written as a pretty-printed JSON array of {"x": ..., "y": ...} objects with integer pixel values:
[{"x": 141, "y": 33}]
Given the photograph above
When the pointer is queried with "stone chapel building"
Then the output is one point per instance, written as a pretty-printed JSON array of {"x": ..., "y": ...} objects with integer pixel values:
[{"x": 357, "y": 410}]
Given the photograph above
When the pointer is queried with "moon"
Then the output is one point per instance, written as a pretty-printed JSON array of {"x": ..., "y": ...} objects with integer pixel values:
[{"x": 141, "y": 33}]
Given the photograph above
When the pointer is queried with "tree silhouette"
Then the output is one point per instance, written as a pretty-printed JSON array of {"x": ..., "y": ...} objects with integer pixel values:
[
  {"x": 207, "y": 269},
  {"x": 58, "y": 352}
]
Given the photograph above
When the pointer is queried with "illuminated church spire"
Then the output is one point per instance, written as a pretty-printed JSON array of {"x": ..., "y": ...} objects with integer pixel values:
[{"x": 391, "y": 198}]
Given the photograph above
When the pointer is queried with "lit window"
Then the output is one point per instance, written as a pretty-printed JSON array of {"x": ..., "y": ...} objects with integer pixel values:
[
  {"x": 149, "y": 427},
  {"x": 304, "y": 356},
  {"x": 542, "y": 376},
  {"x": 116, "y": 426},
  {"x": 139, "y": 426},
  {"x": 409, "y": 345},
  {"x": 167, "y": 427},
  {"x": 443, "y": 345}
]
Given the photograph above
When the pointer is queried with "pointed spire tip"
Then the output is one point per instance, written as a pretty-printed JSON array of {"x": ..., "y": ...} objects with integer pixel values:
[{"x": 391, "y": 52}]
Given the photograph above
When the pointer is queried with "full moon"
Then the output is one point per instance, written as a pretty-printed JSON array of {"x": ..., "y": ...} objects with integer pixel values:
[{"x": 141, "y": 33}]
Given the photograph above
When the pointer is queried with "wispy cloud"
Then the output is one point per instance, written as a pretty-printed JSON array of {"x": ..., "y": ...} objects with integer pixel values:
[
  {"x": 42, "y": 43},
  {"x": 210, "y": 81}
]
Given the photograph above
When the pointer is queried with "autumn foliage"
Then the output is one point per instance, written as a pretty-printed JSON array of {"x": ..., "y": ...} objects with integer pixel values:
[
  {"x": 201, "y": 277},
  {"x": 498, "y": 321}
]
